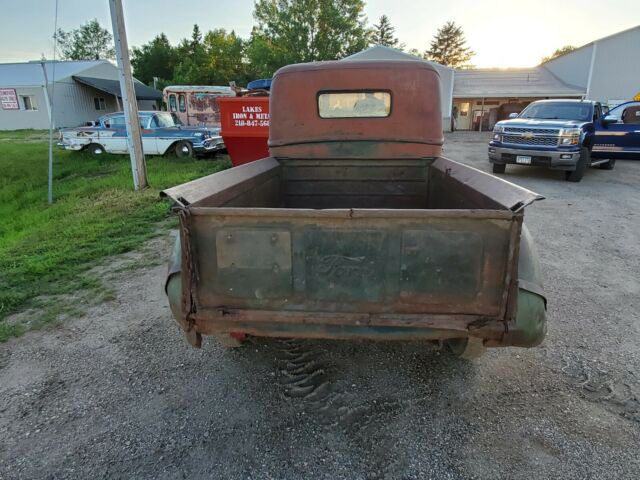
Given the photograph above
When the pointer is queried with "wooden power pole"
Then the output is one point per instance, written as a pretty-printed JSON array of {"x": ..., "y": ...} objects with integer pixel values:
[{"x": 129, "y": 102}]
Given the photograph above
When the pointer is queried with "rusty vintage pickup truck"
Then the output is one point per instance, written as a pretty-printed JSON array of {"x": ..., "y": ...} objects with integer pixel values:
[{"x": 356, "y": 226}]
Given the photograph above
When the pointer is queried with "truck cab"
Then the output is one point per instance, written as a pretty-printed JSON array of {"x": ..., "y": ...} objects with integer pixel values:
[
  {"x": 617, "y": 133},
  {"x": 355, "y": 226},
  {"x": 566, "y": 135}
]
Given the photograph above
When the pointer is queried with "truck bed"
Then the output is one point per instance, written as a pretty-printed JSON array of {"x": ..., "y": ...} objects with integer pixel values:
[{"x": 335, "y": 243}]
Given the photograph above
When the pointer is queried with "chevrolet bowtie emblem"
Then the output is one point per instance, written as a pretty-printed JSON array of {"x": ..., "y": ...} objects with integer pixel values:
[{"x": 528, "y": 135}]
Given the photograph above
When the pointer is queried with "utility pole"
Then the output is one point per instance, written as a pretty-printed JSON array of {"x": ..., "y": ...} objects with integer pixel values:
[
  {"x": 49, "y": 109},
  {"x": 129, "y": 102}
]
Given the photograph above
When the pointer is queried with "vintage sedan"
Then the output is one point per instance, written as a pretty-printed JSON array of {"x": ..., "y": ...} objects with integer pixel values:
[{"x": 161, "y": 134}]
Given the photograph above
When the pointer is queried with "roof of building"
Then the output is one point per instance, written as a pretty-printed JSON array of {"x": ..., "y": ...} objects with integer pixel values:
[
  {"x": 28, "y": 74},
  {"x": 31, "y": 74},
  {"x": 113, "y": 87},
  {"x": 200, "y": 88},
  {"x": 520, "y": 82}
]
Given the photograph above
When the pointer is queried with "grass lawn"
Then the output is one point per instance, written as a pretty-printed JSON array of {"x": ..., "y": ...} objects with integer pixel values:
[{"x": 44, "y": 249}]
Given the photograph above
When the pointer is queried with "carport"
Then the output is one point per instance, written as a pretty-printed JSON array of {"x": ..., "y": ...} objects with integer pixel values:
[{"x": 112, "y": 87}]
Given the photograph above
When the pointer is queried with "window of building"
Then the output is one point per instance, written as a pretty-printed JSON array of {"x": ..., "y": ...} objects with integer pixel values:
[
  {"x": 172, "y": 103},
  {"x": 100, "y": 103},
  {"x": 354, "y": 104},
  {"x": 182, "y": 105},
  {"x": 29, "y": 102}
]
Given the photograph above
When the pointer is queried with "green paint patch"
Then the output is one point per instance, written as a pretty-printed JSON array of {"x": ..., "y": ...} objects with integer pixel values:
[{"x": 45, "y": 249}]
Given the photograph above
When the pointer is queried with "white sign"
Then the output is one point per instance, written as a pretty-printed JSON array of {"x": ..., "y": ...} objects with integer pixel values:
[{"x": 9, "y": 99}]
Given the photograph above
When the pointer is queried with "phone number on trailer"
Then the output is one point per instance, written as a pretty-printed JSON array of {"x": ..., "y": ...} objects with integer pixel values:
[{"x": 251, "y": 123}]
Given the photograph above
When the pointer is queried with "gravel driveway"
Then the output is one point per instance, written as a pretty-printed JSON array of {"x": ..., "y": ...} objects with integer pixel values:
[{"x": 118, "y": 393}]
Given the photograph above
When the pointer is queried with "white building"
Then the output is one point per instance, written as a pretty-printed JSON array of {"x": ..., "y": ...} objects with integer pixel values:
[
  {"x": 608, "y": 69},
  {"x": 80, "y": 92}
]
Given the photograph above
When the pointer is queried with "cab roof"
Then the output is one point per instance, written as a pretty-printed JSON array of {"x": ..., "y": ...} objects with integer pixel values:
[{"x": 412, "y": 128}]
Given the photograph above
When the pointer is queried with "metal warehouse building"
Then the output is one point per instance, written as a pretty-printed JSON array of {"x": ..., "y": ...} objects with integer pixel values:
[
  {"x": 82, "y": 91},
  {"x": 608, "y": 70}
]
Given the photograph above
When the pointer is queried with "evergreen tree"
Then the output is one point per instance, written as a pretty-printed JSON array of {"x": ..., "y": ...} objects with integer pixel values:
[
  {"x": 383, "y": 34},
  {"x": 448, "y": 47},
  {"x": 193, "y": 57},
  {"x": 196, "y": 36}
]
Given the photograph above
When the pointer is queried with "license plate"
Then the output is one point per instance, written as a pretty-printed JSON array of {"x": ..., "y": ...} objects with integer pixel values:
[{"x": 523, "y": 159}]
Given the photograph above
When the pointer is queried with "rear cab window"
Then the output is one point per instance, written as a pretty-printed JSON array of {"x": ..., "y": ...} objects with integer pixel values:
[
  {"x": 172, "y": 103},
  {"x": 358, "y": 104}
]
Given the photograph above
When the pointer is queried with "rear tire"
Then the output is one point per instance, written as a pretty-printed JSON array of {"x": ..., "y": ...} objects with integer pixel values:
[
  {"x": 499, "y": 167},
  {"x": 583, "y": 163},
  {"x": 95, "y": 150},
  {"x": 183, "y": 149},
  {"x": 607, "y": 165},
  {"x": 467, "y": 348}
]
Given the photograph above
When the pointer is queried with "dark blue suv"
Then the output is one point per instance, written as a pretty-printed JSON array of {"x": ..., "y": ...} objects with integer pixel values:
[{"x": 568, "y": 135}]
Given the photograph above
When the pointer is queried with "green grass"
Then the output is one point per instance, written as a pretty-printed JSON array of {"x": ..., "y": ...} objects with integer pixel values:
[{"x": 44, "y": 249}]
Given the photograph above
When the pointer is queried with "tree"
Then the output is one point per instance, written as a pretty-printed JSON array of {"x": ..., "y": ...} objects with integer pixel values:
[
  {"x": 558, "y": 52},
  {"x": 216, "y": 58},
  {"x": 88, "y": 42},
  {"x": 382, "y": 34},
  {"x": 448, "y": 47},
  {"x": 193, "y": 57},
  {"x": 158, "y": 58},
  {"x": 225, "y": 57},
  {"x": 293, "y": 31}
]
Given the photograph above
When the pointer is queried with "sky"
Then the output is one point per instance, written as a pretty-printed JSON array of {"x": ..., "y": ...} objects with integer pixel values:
[{"x": 503, "y": 33}]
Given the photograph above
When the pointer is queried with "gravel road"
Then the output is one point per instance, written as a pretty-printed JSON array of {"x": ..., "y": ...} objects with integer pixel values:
[{"x": 118, "y": 393}]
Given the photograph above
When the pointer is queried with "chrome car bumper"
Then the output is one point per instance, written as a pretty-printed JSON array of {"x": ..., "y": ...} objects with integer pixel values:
[
  {"x": 70, "y": 146},
  {"x": 209, "y": 146},
  {"x": 555, "y": 159}
]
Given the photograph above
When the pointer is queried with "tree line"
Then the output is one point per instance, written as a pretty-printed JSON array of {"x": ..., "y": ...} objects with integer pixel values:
[{"x": 285, "y": 32}]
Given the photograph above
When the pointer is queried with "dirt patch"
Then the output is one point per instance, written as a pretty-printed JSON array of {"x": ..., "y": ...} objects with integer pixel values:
[{"x": 118, "y": 393}]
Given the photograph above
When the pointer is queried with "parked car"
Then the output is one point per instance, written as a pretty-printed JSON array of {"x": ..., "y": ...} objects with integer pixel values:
[
  {"x": 356, "y": 226},
  {"x": 161, "y": 134},
  {"x": 569, "y": 135}
]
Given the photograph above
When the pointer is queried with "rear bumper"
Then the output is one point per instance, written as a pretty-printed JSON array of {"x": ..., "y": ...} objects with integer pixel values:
[
  {"x": 554, "y": 159},
  {"x": 527, "y": 330}
]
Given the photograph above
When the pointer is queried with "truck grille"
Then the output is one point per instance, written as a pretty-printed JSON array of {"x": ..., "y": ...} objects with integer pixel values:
[
  {"x": 539, "y": 131},
  {"x": 518, "y": 140}
]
